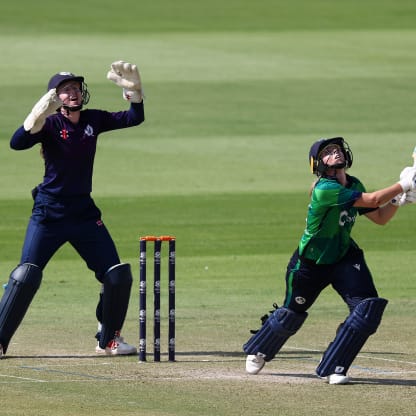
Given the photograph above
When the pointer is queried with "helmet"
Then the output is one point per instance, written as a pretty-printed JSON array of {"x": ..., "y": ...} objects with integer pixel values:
[
  {"x": 318, "y": 167},
  {"x": 62, "y": 77}
]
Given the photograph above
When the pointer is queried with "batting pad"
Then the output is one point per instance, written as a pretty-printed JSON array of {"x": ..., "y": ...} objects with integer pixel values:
[
  {"x": 351, "y": 337},
  {"x": 279, "y": 327}
]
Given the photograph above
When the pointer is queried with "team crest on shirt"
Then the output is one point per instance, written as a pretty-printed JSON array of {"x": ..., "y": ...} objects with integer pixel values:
[
  {"x": 89, "y": 131},
  {"x": 64, "y": 133}
]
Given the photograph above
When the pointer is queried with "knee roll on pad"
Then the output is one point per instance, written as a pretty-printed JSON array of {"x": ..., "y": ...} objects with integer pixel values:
[
  {"x": 351, "y": 337},
  {"x": 366, "y": 316},
  {"x": 279, "y": 327},
  {"x": 23, "y": 284},
  {"x": 27, "y": 274},
  {"x": 115, "y": 300},
  {"x": 120, "y": 274}
]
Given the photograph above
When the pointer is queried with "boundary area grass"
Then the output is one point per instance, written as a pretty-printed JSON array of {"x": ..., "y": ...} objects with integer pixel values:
[{"x": 236, "y": 92}]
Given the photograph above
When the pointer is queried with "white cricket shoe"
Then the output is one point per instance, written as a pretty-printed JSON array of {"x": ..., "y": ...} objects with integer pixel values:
[
  {"x": 117, "y": 346},
  {"x": 337, "y": 379},
  {"x": 1, "y": 352},
  {"x": 254, "y": 363}
]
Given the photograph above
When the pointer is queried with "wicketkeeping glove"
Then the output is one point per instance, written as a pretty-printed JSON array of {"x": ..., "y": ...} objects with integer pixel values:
[
  {"x": 46, "y": 106},
  {"x": 127, "y": 76}
]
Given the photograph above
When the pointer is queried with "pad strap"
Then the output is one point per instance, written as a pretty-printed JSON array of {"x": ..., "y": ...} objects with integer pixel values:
[{"x": 279, "y": 327}]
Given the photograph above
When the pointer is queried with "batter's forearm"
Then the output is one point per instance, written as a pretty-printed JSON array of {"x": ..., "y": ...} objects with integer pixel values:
[{"x": 378, "y": 198}]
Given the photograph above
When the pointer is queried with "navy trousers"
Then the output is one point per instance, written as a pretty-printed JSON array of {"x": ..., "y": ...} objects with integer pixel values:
[
  {"x": 76, "y": 220},
  {"x": 350, "y": 277}
]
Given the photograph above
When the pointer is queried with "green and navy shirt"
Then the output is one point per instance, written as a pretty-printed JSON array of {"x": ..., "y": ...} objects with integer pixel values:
[{"x": 330, "y": 219}]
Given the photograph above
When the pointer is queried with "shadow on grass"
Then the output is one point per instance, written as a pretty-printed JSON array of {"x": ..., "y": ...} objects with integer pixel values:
[
  {"x": 385, "y": 382},
  {"x": 62, "y": 356},
  {"x": 242, "y": 354},
  {"x": 357, "y": 381},
  {"x": 230, "y": 356}
]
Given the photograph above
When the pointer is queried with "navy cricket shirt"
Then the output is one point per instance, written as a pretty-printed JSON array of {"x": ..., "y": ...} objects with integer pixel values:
[{"x": 69, "y": 149}]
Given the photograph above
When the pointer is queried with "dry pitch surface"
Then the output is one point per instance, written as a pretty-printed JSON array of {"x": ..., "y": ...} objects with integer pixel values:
[{"x": 290, "y": 366}]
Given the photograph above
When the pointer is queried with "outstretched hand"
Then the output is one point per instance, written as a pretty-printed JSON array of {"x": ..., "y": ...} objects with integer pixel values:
[
  {"x": 126, "y": 76},
  {"x": 46, "y": 106},
  {"x": 410, "y": 197},
  {"x": 408, "y": 179}
]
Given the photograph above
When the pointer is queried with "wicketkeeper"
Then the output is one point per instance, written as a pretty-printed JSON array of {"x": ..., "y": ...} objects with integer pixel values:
[
  {"x": 63, "y": 209},
  {"x": 327, "y": 255}
]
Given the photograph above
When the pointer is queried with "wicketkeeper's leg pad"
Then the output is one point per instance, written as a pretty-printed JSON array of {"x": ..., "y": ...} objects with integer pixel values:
[
  {"x": 117, "y": 285},
  {"x": 351, "y": 337},
  {"x": 22, "y": 286},
  {"x": 279, "y": 327},
  {"x": 99, "y": 308}
]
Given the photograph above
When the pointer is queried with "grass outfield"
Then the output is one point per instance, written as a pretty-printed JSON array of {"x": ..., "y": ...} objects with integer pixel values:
[{"x": 236, "y": 93}]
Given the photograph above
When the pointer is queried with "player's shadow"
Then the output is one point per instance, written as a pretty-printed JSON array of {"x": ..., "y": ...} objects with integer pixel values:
[
  {"x": 242, "y": 354},
  {"x": 353, "y": 381},
  {"x": 59, "y": 356},
  {"x": 191, "y": 355},
  {"x": 384, "y": 382}
]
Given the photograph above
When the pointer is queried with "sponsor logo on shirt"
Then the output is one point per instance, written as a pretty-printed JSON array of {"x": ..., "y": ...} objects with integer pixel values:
[
  {"x": 345, "y": 218},
  {"x": 64, "y": 134}
]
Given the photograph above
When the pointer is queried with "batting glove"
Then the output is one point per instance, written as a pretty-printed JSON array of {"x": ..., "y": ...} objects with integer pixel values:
[
  {"x": 410, "y": 197},
  {"x": 408, "y": 179},
  {"x": 46, "y": 106},
  {"x": 127, "y": 76}
]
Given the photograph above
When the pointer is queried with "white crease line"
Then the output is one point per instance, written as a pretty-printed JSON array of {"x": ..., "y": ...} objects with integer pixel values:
[
  {"x": 360, "y": 355},
  {"x": 386, "y": 359},
  {"x": 75, "y": 380},
  {"x": 24, "y": 378}
]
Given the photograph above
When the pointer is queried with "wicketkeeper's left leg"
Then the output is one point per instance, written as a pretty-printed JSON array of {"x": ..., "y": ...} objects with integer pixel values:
[{"x": 117, "y": 285}]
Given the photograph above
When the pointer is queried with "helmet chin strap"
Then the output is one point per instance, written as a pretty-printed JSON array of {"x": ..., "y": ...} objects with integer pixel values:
[
  {"x": 72, "y": 108},
  {"x": 338, "y": 165}
]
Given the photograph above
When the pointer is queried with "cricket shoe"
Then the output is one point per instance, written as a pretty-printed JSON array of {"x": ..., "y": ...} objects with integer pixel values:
[
  {"x": 254, "y": 363},
  {"x": 117, "y": 346},
  {"x": 1, "y": 352},
  {"x": 338, "y": 379}
]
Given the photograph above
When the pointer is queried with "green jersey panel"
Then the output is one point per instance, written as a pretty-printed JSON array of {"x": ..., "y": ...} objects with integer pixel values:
[{"x": 330, "y": 219}]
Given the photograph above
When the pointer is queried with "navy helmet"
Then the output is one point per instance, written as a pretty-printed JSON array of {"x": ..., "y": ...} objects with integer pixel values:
[
  {"x": 318, "y": 167},
  {"x": 61, "y": 77}
]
